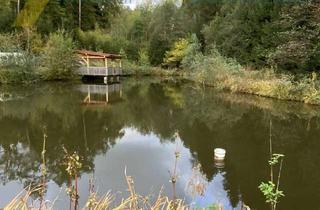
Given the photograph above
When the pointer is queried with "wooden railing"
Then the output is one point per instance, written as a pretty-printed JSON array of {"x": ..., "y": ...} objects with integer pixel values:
[{"x": 99, "y": 71}]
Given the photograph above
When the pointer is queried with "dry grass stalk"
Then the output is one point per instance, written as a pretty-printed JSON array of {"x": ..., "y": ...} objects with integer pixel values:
[
  {"x": 95, "y": 203},
  {"x": 197, "y": 183},
  {"x": 23, "y": 201}
]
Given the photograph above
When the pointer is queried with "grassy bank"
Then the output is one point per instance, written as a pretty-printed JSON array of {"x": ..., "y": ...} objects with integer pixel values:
[
  {"x": 134, "y": 69},
  {"x": 223, "y": 73},
  {"x": 220, "y": 72}
]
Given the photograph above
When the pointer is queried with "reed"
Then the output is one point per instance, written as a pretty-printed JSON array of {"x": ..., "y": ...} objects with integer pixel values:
[{"x": 72, "y": 161}]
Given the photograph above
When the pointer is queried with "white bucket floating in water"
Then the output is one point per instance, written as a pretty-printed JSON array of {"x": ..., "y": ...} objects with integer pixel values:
[{"x": 219, "y": 154}]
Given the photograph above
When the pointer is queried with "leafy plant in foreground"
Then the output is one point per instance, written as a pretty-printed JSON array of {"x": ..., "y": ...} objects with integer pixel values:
[{"x": 270, "y": 189}]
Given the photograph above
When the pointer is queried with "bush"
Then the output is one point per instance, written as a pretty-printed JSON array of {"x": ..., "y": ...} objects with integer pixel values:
[
  {"x": 183, "y": 52},
  {"x": 10, "y": 43},
  {"x": 19, "y": 69},
  {"x": 174, "y": 57},
  {"x": 143, "y": 58},
  {"x": 192, "y": 51},
  {"x": 59, "y": 61}
]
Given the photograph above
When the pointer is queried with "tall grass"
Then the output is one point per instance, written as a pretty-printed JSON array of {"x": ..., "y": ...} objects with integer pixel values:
[
  {"x": 135, "y": 201},
  {"x": 223, "y": 73},
  {"x": 24, "y": 200}
]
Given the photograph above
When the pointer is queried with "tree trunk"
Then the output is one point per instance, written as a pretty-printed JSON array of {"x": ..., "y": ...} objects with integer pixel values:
[
  {"x": 18, "y": 6},
  {"x": 80, "y": 14}
]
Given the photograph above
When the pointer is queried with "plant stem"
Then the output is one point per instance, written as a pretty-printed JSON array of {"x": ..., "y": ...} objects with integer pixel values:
[
  {"x": 278, "y": 181},
  {"x": 270, "y": 147},
  {"x": 76, "y": 191},
  {"x": 43, "y": 169}
]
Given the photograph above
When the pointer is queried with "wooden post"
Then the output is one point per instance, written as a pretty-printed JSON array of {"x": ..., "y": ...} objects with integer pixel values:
[
  {"x": 114, "y": 66},
  {"x": 88, "y": 65},
  {"x": 106, "y": 65},
  {"x": 120, "y": 67},
  {"x": 89, "y": 94},
  {"x": 107, "y": 94}
]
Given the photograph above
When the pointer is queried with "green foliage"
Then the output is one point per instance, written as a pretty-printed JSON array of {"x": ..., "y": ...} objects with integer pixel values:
[
  {"x": 244, "y": 30},
  {"x": 299, "y": 38},
  {"x": 165, "y": 28},
  {"x": 143, "y": 58},
  {"x": 53, "y": 17},
  {"x": 10, "y": 43},
  {"x": 6, "y": 16},
  {"x": 270, "y": 192},
  {"x": 269, "y": 189},
  {"x": 200, "y": 13},
  {"x": 18, "y": 69},
  {"x": 59, "y": 61},
  {"x": 100, "y": 40},
  {"x": 275, "y": 159},
  {"x": 258, "y": 34},
  {"x": 177, "y": 53},
  {"x": 192, "y": 52},
  {"x": 184, "y": 51},
  {"x": 72, "y": 161}
]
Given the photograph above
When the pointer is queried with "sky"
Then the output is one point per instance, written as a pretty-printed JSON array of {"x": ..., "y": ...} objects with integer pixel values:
[{"x": 133, "y": 3}]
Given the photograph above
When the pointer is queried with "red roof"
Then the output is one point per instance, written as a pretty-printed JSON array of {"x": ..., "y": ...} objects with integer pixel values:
[{"x": 98, "y": 54}]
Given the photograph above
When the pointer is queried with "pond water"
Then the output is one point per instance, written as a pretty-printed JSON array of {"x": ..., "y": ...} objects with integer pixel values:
[{"x": 138, "y": 125}]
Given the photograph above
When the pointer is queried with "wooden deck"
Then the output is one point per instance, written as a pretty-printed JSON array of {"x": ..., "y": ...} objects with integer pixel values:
[{"x": 111, "y": 64}]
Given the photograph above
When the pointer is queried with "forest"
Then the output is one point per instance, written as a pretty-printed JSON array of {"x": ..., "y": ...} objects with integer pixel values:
[{"x": 265, "y": 47}]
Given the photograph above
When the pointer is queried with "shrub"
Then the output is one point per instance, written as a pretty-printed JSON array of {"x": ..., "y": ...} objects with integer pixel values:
[
  {"x": 9, "y": 43},
  {"x": 143, "y": 58},
  {"x": 58, "y": 61},
  {"x": 19, "y": 69},
  {"x": 174, "y": 57},
  {"x": 191, "y": 52}
]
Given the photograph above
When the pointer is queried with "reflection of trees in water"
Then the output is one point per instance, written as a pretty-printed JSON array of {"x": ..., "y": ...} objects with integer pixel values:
[{"x": 203, "y": 118}]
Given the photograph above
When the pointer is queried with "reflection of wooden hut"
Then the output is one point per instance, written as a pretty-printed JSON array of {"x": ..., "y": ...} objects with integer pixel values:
[
  {"x": 101, "y": 94},
  {"x": 99, "y": 64}
]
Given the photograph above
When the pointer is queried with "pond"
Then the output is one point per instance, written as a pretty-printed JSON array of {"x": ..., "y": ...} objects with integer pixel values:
[{"x": 136, "y": 127}]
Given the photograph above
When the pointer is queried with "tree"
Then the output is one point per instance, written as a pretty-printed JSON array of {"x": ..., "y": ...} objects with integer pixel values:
[
  {"x": 245, "y": 30},
  {"x": 165, "y": 29},
  {"x": 201, "y": 12},
  {"x": 299, "y": 39},
  {"x": 59, "y": 61},
  {"x": 52, "y": 18}
]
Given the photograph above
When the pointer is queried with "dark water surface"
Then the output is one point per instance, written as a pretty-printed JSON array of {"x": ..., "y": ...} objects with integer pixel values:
[{"x": 144, "y": 122}]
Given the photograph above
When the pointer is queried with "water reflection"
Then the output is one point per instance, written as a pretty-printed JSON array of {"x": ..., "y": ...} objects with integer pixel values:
[
  {"x": 101, "y": 93},
  {"x": 135, "y": 129}
]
